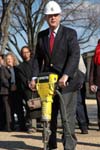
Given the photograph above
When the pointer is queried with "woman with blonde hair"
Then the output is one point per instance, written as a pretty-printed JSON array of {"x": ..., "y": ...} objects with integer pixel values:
[
  {"x": 11, "y": 62},
  {"x": 13, "y": 59}
]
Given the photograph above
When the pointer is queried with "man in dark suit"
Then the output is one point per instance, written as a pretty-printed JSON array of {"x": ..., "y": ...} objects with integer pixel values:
[{"x": 63, "y": 60}]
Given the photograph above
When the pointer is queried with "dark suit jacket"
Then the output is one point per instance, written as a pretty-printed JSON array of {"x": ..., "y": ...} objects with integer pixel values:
[{"x": 65, "y": 55}]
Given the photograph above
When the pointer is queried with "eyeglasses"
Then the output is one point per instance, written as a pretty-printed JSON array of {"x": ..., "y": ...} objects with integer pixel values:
[{"x": 26, "y": 52}]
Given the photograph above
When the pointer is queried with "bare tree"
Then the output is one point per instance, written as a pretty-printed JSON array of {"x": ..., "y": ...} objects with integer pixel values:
[
  {"x": 27, "y": 20},
  {"x": 5, "y": 22},
  {"x": 84, "y": 17}
]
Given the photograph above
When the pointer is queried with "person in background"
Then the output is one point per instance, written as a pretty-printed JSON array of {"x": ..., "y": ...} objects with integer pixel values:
[
  {"x": 2, "y": 111},
  {"x": 58, "y": 51},
  {"x": 5, "y": 109},
  {"x": 80, "y": 112},
  {"x": 83, "y": 95},
  {"x": 25, "y": 71},
  {"x": 15, "y": 96},
  {"x": 94, "y": 78},
  {"x": 1, "y": 59}
]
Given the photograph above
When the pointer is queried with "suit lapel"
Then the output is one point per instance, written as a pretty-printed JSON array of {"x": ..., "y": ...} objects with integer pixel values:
[{"x": 46, "y": 43}]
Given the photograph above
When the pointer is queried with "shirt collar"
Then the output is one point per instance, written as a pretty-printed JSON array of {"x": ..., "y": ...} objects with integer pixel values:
[{"x": 55, "y": 31}]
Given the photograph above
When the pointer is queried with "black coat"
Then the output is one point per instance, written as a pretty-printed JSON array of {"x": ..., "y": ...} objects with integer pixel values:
[
  {"x": 4, "y": 80},
  {"x": 25, "y": 75},
  {"x": 65, "y": 55}
]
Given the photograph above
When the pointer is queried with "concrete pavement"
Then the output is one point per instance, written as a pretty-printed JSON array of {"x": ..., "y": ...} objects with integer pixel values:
[{"x": 33, "y": 141}]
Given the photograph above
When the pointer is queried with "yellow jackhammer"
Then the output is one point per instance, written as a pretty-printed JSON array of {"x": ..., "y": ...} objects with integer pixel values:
[{"x": 45, "y": 86}]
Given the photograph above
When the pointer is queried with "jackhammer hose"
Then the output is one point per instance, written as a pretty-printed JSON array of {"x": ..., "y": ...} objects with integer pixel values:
[{"x": 64, "y": 119}]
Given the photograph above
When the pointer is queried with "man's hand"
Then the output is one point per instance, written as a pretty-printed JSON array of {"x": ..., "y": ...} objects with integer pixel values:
[
  {"x": 63, "y": 81},
  {"x": 32, "y": 85},
  {"x": 93, "y": 88}
]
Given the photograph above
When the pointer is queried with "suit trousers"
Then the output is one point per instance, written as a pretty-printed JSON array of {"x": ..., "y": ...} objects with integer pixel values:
[
  {"x": 69, "y": 102},
  {"x": 83, "y": 95},
  {"x": 80, "y": 112}
]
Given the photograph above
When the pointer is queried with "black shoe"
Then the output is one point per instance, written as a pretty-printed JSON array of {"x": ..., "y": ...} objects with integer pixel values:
[
  {"x": 98, "y": 129},
  {"x": 74, "y": 136},
  {"x": 23, "y": 129},
  {"x": 53, "y": 148},
  {"x": 49, "y": 149},
  {"x": 32, "y": 130},
  {"x": 8, "y": 130},
  {"x": 84, "y": 131}
]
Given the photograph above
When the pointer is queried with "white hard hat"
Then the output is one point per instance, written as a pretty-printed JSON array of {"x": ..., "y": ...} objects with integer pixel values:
[{"x": 52, "y": 7}]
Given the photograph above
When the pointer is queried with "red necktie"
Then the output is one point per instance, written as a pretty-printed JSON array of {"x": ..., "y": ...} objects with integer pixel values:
[{"x": 51, "y": 41}]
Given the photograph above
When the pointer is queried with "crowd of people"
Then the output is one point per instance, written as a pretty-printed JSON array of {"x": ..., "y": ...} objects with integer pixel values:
[
  {"x": 57, "y": 51},
  {"x": 14, "y": 91}
]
